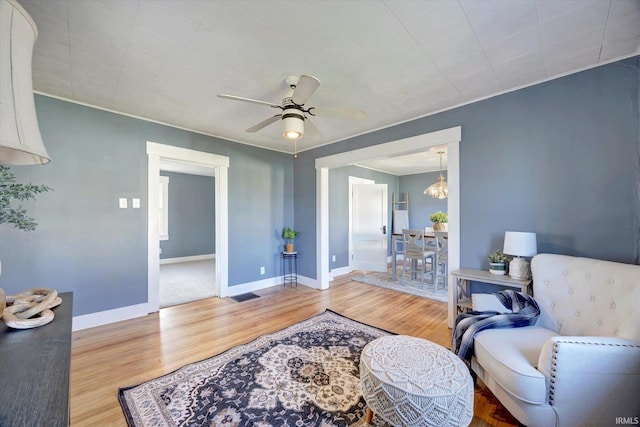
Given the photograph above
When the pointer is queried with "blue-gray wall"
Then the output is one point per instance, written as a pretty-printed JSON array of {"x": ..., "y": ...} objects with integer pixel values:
[
  {"x": 339, "y": 207},
  {"x": 191, "y": 216},
  {"x": 420, "y": 205},
  {"x": 560, "y": 159},
  {"x": 86, "y": 244}
]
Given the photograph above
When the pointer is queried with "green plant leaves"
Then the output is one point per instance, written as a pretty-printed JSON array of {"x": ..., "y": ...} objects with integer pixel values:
[{"x": 10, "y": 191}]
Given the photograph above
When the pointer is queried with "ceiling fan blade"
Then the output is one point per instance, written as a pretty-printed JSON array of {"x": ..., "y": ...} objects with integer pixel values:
[
  {"x": 306, "y": 86},
  {"x": 240, "y": 98},
  {"x": 264, "y": 123},
  {"x": 341, "y": 113},
  {"x": 311, "y": 129}
]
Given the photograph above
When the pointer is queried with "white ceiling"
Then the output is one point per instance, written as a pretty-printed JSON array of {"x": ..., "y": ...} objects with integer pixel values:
[
  {"x": 166, "y": 60},
  {"x": 409, "y": 164}
]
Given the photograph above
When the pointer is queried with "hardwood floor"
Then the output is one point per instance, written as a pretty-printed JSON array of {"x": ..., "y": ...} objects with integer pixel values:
[{"x": 130, "y": 352}]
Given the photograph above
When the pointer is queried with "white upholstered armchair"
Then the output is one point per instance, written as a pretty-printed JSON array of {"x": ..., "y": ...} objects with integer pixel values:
[{"x": 579, "y": 365}]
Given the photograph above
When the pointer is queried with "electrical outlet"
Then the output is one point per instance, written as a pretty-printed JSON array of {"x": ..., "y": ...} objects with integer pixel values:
[
  {"x": 122, "y": 202},
  {"x": 333, "y": 258},
  {"x": 262, "y": 270}
]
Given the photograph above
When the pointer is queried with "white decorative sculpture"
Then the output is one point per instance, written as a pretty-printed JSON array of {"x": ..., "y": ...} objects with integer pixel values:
[{"x": 30, "y": 308}]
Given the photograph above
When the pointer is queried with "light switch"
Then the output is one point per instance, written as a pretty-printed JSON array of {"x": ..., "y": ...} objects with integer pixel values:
[
  {"x": 135, "y": 203},
  {"x": 123, "y": 202}
]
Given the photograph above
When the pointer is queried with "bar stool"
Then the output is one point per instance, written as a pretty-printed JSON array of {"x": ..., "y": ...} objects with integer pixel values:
[
  {"x": 442, "y": 258},
  {"x": 417, "y": 253}
]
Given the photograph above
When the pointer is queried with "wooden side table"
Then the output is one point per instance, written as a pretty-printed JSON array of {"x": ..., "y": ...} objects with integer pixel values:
[{"x": 464, "y": 276}]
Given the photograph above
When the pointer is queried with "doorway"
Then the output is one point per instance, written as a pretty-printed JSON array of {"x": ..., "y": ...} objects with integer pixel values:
[
  {"x": 187, "y": 233},
  {"x": 217, "y": 166},
  {"x": 451, "y": 137},
  {"x": 367, "y": 226}
]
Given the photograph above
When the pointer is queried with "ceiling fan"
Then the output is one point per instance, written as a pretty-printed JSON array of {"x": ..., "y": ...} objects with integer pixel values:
[{"x": 294, "y": 113}]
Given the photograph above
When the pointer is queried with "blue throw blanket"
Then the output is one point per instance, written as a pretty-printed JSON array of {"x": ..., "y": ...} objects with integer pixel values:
[{"x": 525, "y": 312}]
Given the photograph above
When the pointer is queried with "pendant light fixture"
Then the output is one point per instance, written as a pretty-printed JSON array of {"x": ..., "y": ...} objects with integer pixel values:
[{"x": 440, "y": 189}]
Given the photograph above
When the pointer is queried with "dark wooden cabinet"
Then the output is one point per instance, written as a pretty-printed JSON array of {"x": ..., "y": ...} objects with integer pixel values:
[{"x": 35, "y": 366}]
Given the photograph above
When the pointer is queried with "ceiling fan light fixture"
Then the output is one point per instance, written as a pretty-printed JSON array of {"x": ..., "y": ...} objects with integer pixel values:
[
  {"x": 295, "y": 109},
  {"x": 292, "y": 134},
  {"x": 292, "y": 124}
]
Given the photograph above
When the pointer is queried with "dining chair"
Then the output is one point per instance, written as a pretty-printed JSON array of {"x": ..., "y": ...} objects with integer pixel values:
[
  {"x": 417, "y": 254},
  {"x": 442, "y": 258}
]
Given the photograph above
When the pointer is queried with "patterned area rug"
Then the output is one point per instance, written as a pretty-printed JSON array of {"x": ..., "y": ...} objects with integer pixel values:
[
  {"x": 304, "y": 375},
  {"x": 413, "y": 287}
]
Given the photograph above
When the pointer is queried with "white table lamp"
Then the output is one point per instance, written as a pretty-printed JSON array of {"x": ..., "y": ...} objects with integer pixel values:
[{"x": 520, "y": 244}]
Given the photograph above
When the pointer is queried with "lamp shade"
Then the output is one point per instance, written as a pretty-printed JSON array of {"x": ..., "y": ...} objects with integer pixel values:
[
  {"x": 20, "y": 139},
  {"x": 520, "y": 244}
]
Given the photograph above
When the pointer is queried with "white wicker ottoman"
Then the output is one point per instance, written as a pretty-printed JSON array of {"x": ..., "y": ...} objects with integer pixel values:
[{"x": 410, "y": 381}]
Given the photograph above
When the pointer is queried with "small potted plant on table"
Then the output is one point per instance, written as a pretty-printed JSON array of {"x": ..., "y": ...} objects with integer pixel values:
[
  {"x": 289, "y": 235},
  {"x": 498, "y": 262},
  {"x": 440, "y": 221}
]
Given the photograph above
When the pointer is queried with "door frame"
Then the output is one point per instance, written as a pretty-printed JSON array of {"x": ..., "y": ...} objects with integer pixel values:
[
  {"x": 220, "y": 164},
  {"x": 451, "y": 137}
]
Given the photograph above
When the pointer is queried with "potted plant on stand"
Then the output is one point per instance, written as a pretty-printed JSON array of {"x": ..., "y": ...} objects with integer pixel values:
[
  {"x": 498, "y": 262},
  {"x": 289, "y": 235},
  {"x": 440, "y": 221},
  {"x": 10, "y": 191}
]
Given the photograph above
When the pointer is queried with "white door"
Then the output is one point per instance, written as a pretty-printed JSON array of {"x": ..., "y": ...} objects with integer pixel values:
[{"x": 369, "y": 227}]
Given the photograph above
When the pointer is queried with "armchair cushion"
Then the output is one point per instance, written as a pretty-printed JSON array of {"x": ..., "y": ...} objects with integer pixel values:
[
  {"x": 524, "y": 312},
  {"x": 510, "y": 356}
]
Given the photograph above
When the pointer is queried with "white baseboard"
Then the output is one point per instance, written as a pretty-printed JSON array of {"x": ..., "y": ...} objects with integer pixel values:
[
  {"x": 109, "y": 316},
  {"x": 307, "y": 281},
  {"x": 267, "y": 283},
  {"x": 132, "y": 311},
  {"x": 253, "y": 286},
  {"x": 339, "y": 272},
  {"x": 187, "y": 258}
]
